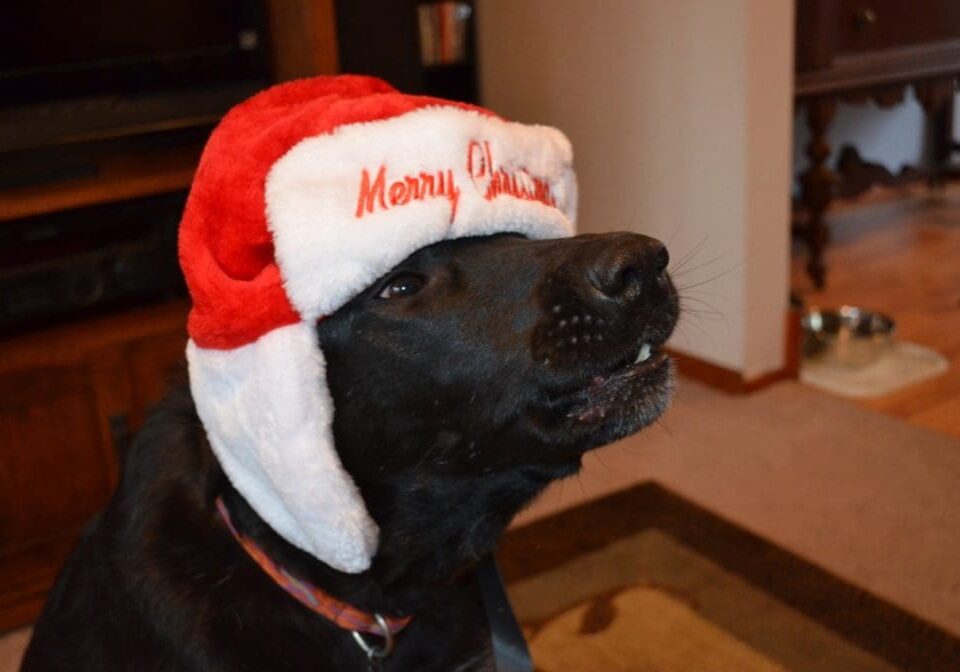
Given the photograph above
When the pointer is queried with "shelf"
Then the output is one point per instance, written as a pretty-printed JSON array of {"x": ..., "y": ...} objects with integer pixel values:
[
  {"x": 74, "y": 341},
  {"x": 120, "y": 177}
]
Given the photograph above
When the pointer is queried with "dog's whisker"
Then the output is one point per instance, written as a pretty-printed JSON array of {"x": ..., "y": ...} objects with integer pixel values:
[
  {"x": 684, "y": 259},
  {"x": 673, "y": 234},
  {"x": 703, "y": 307},
  {"x": 682, "y": 328},
  {"x": 702, "y": 315},
  {"x": 702, "y": 293},
  {"x": 682, "y": 271},
  {"x": 600, "y": 460},
  {"x": 705, "y": 316},
  {"x": 662, "y": 422},
  {"x": 736, "y": 267},
  {"x": 583, "y": 490},
  {"x": 712, "y": 278}
]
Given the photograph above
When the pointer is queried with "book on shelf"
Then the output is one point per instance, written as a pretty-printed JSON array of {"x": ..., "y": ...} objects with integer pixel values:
[{"x": 443, "y": 32}]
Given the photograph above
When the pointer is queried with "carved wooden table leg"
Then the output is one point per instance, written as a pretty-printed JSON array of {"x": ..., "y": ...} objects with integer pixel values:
[
  {"x": 936, "y": 96},
  {"x": 817, "y": 184}
]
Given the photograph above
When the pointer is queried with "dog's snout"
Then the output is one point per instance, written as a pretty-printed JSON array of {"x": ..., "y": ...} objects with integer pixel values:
[
  {"x": 662, "y": 259},
  {"x": 626, "y": 267},
  {"x": 609, "y": 296}
]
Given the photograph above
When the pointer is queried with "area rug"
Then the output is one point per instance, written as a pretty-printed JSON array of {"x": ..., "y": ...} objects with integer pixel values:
[{"x": 645, "y": 580}]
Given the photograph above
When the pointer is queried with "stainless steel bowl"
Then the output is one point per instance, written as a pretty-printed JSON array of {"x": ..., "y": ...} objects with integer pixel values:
[{"x": 847, "y": 336}]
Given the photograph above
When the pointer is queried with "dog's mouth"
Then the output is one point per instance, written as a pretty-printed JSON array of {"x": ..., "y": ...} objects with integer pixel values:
[{"x": 638, "y": 387}]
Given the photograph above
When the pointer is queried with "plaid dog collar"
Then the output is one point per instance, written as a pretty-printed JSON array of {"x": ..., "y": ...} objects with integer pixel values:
[{"x": 336, "y": 611}]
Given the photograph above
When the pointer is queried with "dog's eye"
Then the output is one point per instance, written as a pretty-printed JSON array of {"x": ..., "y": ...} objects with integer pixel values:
[{"x": 405, "y": 284}]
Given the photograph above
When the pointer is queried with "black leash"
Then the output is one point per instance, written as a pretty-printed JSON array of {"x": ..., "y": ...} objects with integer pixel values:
[
  {"x": 510, "y": 651},
  {"x": 509, "y": 647}
]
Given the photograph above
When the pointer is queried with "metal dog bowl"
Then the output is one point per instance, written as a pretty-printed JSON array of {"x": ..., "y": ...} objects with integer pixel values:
[{"x": 848, "y": 336}]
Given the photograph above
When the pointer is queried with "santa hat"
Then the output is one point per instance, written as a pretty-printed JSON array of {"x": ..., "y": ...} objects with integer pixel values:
[{"x": 305, "y": 194}]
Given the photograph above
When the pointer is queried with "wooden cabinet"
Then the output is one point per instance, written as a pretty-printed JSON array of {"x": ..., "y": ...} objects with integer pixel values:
[
  {"x": 71, "y": 396},
  {"x": 859, "y": 50},
  {"x": 873, "y": 25},
  {"x": 68, "y": 397},
  {"x": 850, "y": 44}
]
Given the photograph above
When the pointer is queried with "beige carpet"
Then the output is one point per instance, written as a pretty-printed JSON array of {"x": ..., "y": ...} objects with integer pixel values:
[
  {"x": 11, "y": 650},
  {"x": 869, "y": 498}
]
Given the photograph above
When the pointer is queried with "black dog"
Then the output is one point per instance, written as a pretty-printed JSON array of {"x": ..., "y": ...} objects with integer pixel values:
[{"x": 466, "y": 380}]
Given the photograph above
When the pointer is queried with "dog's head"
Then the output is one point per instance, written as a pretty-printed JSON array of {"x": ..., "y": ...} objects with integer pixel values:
[{"x": 483, "y": 355}]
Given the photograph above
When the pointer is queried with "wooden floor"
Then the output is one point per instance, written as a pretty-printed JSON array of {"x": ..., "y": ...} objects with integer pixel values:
[{"x": 899, "y": 252}]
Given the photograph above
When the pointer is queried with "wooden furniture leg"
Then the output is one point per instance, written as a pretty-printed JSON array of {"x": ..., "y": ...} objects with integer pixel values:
[
  {"x": 817, "y": 184},
  {"x": 937, "y": 98}
]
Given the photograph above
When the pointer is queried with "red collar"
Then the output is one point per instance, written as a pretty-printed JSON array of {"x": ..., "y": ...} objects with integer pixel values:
[{"x": 346, "y": 616}]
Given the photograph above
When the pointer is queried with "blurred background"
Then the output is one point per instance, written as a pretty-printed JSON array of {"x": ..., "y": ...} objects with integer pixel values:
[{"x": 798, "y": 507}]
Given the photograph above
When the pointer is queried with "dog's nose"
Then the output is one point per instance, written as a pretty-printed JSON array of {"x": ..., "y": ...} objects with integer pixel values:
[{"x": 628, "y": 266}]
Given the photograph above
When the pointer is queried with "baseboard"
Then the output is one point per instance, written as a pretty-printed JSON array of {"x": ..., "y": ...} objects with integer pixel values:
[{"x": 734, "y": 382}]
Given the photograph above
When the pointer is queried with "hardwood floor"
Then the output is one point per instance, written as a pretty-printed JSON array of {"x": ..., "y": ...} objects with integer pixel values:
[{"x": 899, "y": 252}]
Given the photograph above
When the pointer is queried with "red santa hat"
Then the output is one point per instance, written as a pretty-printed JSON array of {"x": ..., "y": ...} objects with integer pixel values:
[{"x": 305, "y": 194}]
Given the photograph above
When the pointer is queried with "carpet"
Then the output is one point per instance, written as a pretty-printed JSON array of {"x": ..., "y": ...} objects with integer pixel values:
[
  {"x": 665, "y": 585},
  {"x": 12, "y": 646}
]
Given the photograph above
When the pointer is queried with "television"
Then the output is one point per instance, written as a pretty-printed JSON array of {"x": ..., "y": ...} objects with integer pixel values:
[{"x": 77, "y": 75}]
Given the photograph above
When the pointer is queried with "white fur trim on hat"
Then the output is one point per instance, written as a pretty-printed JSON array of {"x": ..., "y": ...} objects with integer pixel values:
[
  {"x": 267, "y": 413},
  {"x": 328, "y": 253}
]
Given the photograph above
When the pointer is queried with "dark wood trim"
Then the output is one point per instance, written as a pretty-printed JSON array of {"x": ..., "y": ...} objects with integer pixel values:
[
  {"x": 766, "y": 380},
  {"x": 814, "y": 22},
  {"x": 733, "y": 382},
  {"x": 73, "y": 343},
  {"x": 727, "y": 380},
  {"x": 870, "y": 622},
  {"x": 865, "y": 70},
  {"x": 793, "y": 347},
  {"x": 816, "y": 185},
  {"x": 714, "y": 375},
  {"x": 303, "y": 38},
  {"x": 119, "y": 178}
]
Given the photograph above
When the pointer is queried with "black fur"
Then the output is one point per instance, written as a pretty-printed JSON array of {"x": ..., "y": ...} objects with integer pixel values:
[{"x": 465, "y": 381}]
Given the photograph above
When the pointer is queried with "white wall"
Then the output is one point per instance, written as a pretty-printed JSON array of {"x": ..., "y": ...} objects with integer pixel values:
[{"x": 680, "y": 117}]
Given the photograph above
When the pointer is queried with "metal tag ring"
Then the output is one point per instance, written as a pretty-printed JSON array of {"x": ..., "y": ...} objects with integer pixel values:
[{"x": 376, "y": 652}]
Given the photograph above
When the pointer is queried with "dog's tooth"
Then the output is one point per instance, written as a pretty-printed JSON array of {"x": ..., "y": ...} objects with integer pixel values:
[{"x": 644, "y": 353}]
